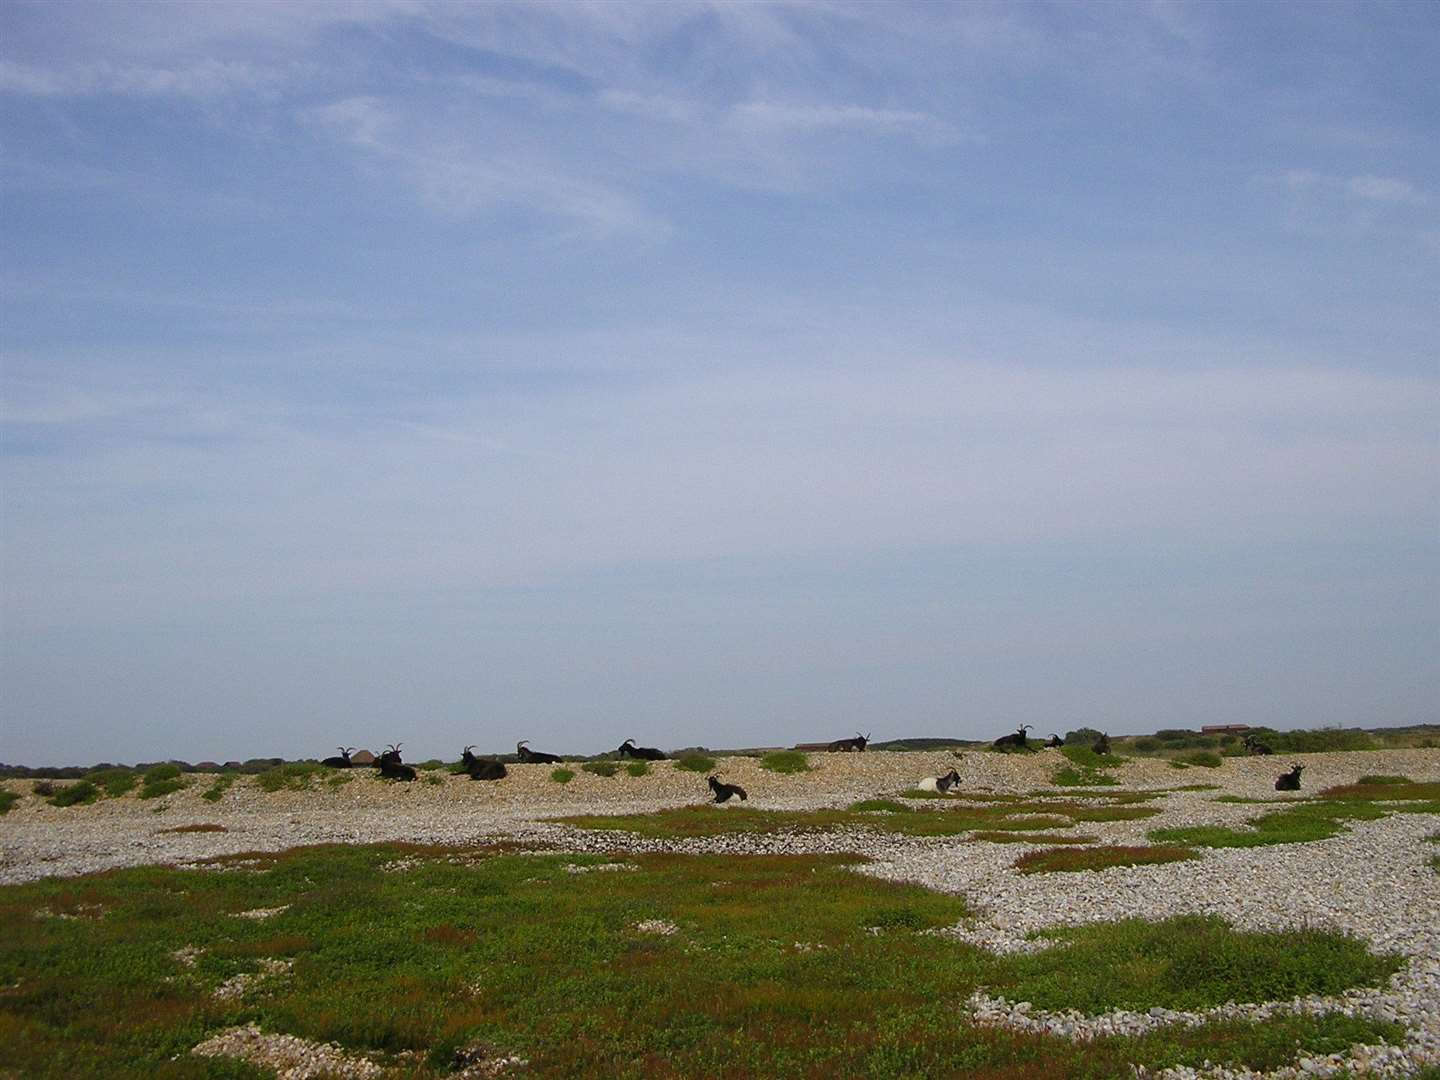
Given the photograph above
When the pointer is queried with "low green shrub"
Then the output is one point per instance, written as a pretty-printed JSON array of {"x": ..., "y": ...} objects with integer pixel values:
[
  {"x": 8, "y": 799},
  {"x": 165, "y": 786},
  {"x": 1385, "y": 779},
  {"x": 883, "y": 806},
  {"x": 82, "y": 792},
  {"x": 1070, "y": 776},
  {"x": 216, "y": 790},
  {"x": 113, "y": 782},
  {"x": 600, "y": 768},
  {"x": 786, "y": 761},
  {"x": 696, "y": 763},
  {"x": 156, "y": 773},
  {"x": 562, "y": 776},
  {"x": 638, "y": 768},
  {"x": 293, "y": 776}
]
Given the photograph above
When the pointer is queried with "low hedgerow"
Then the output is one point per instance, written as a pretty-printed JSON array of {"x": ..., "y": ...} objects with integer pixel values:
[
  {"x": 696, "y": 763},
  {"x": 785, "y": 761},
  {"x": 1098, "y": 858},
  {"x": 562, "y": 776}
]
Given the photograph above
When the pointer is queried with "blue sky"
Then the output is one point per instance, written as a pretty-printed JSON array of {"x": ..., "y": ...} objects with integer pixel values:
[{"x": 713, "y": 373}]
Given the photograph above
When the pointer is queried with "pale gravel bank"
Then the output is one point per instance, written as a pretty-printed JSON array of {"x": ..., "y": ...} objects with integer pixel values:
[{"x": 1372, "y": 881}]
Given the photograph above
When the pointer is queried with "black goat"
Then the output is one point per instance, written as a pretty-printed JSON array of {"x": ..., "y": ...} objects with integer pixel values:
[
  {"x": 390, "y": 766},
  {"x": 1255, "y": 746},
  {"x": 1054, "y": 741},
  {"x": 941, "y": 784},
  {"x": 1018, "y": 739},
  {"x": 644, "y": 753},
  {"x": 845, "y": 746},
  {"x": 478, "y": 768},
  {"x": 341, "y": 762},
  {"x": 1102, "y": 744},
  {"x": 535, "y": 757},
  {"x": 1289, "y": 781},
  {"x": 724, "y": 792}
]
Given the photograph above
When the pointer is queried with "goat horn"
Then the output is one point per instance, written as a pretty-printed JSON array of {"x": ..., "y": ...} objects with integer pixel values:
[{"x": 521, "y": 743}]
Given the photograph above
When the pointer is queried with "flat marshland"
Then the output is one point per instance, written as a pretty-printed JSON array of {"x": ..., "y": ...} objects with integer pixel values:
[{"x": 1058, "y": 917}]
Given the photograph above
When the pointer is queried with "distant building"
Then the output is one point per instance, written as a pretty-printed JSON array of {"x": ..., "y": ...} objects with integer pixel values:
[{"x": 1224, "y": 729}]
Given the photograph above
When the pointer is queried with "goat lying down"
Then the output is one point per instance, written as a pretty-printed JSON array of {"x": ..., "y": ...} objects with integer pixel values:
[
  {"x": 941, "y": 784},
  {"x": 725, "y": 792},
  {"x": 1289, "y": 781}
]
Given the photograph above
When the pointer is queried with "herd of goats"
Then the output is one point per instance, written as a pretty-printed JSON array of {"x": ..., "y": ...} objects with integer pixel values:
[{"x": 481, "y": 768}]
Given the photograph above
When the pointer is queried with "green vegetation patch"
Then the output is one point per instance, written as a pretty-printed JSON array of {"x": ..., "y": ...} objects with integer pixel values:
[
  {"x": 1069, "y": 860},
  {"x": 696, "y": 763},
  {"x": 8, "y": 799},
  {"x": 82, "y": 793},
  {"x": 1087, "y": 758},
  {"x": 875, "y": 815},
  {"x": 1259, "y": 1046},
  {"x": 1029, "y": 838},
  {"x": 197, "y": 828},
  {"x": 638, "y": 768},
  {"x": 562, "y": 776},
  {"x": 292, "y": 776},
  {"x": 1300, "y": 824},
  {"x": 786, "y": 761},
  {"x": 1384, "y": 778},
  {"x": 1389, "y": 789},
  {"x": 1203, "y": 758},
  {"x": 682, "y": 966},
  {"x": 600, "y": 768},
  {"x": 217, "y": 790},
  {"x": 1191, "y": 962},
  {"x": 115, "y": 782},
  {"x": 1069, "y": 776}
]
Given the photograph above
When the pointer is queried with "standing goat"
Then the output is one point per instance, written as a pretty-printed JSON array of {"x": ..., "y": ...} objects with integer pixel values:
[
  {"x": 941, "y": 784},
  {"x": 1102, "y": 744},
  {"x": 845, "y": 746},
  {"x": 341, "y": 762},
  {"x": 1289, "y": 781},
  {"x": 391, "y": 767},
  {"x": 535, "y": 757},
  {"x": 644, "y": 753},
  {"x": 481, "y": 768},
  {"x": 1017, "y": 739},
  {"x": 724, "y": 792}
]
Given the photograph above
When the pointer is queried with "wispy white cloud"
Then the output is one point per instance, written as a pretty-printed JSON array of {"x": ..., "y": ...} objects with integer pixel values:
[
  {"x": 779, "y": 118},
  {"x": 1368, "y": 188},
  {"x": 456, "y": 176},
  {"x": 205, "y": 78}
]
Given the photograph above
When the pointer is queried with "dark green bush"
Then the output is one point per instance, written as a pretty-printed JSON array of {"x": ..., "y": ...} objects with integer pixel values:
[
  {"x": 600, "y": 768},
  {"x": 157, "y": 773},
  {"x": 82, "y": 791},
  {"x": 114, "y": 782}
]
